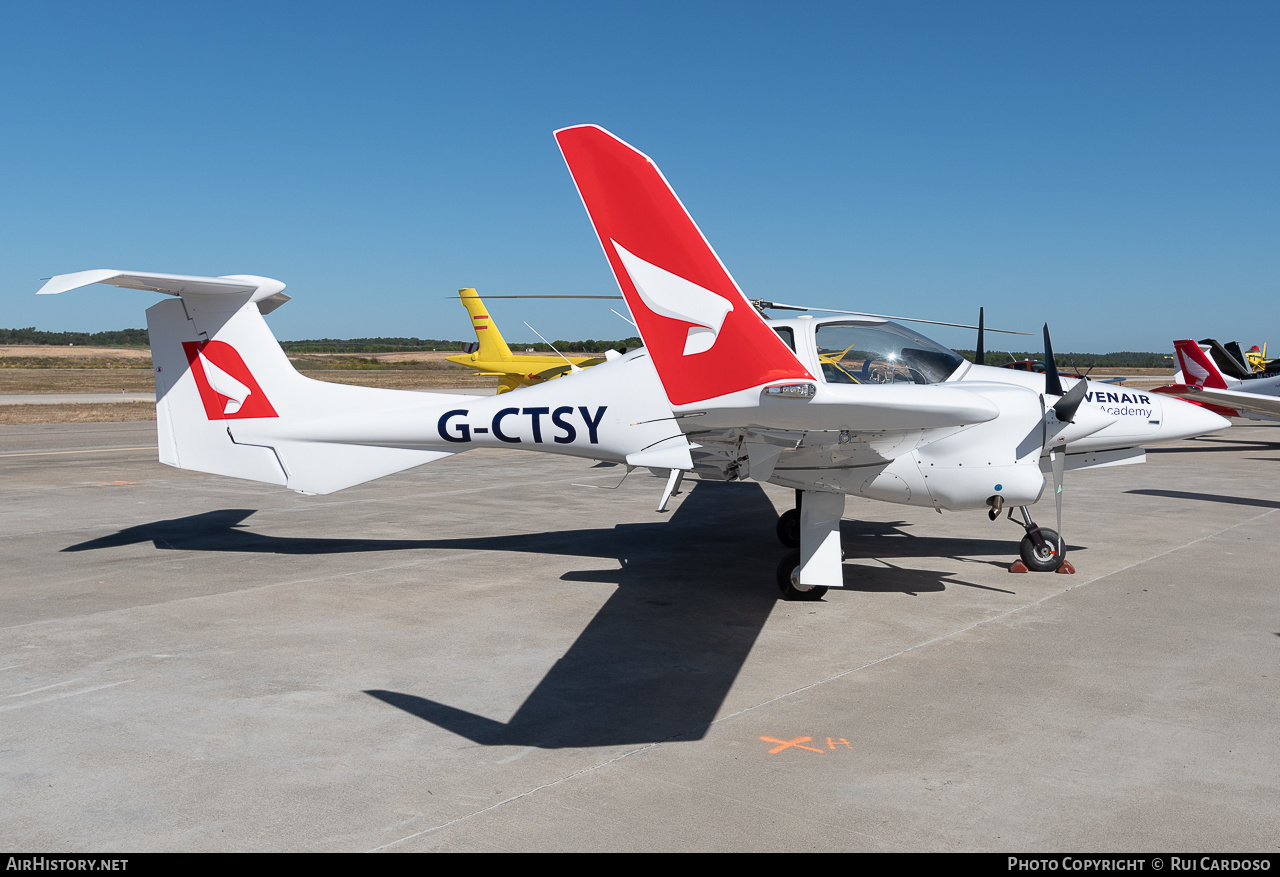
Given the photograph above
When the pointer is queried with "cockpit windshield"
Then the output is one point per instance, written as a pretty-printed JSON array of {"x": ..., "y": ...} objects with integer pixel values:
[{"x": 881, "y": 353}]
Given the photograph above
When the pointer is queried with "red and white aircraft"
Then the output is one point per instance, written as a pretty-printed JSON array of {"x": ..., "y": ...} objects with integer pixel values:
[
  {"x": 1201, "y": 380},
  {"x": 717, "y": 391}
]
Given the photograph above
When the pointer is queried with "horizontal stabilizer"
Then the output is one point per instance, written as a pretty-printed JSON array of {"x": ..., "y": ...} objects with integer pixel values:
[{"x": 266, "y": 292}]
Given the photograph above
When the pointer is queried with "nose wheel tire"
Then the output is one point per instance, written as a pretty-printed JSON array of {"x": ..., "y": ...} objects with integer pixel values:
[
  {"x": 1045, "y": 559},
  {"x": 789, "y": 579},
  {"x": 789, "y": 528}
]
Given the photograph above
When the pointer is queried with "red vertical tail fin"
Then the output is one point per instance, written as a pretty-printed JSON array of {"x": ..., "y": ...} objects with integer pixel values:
[{"x": 1198, "y": 369}]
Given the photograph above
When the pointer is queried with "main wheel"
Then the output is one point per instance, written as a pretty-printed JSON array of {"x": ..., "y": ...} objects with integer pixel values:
[
  {"x": 1046, "y": 559},
  {"x": 789, "y": 528},
  {"x": 789, "y": 580}
]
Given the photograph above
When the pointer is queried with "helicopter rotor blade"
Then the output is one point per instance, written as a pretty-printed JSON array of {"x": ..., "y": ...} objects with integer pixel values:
[
  {"x": 487, "y": 297},
  {"x": 779, "y": 306}
]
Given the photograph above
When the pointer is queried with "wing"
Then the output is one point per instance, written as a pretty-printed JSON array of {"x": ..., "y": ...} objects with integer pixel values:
[{"x": 1246, "y": 403}]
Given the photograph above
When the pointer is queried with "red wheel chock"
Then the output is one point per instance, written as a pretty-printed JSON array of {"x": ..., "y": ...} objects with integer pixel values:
[{"x": 1066, "y": 569}]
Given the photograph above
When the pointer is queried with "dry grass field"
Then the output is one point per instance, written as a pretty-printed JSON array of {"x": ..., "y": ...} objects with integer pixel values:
[
  {"x": 41, "y": 370},
  {"x": 106, "y": 412},
  {"x": 28, "y": 370},
  {"x": 73, "y": 357}
]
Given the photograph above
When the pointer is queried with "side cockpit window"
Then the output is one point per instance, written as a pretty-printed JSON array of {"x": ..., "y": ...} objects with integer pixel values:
[
  {"x": 787, "y": 335},
  {"x": 881, "y": 353}
]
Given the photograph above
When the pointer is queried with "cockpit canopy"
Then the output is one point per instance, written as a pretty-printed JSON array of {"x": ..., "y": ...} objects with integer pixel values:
[{"x": 853, "y": 352}]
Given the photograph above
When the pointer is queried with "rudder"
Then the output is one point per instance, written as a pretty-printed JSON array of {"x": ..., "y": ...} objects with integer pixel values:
[{"x": 493, "y": 347}]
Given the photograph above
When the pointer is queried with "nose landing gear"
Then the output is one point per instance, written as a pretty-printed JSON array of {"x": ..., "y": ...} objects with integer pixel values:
[{"x": 1041, "y": 549}]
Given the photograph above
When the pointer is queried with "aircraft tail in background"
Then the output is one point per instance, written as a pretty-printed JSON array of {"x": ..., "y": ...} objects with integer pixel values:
[
  {"x": 492, "y": 347},
  {"x": 1197, "y": 368}
]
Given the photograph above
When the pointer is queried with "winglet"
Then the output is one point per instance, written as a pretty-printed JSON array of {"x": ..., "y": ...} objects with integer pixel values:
[{"x": 705, "y": 338}]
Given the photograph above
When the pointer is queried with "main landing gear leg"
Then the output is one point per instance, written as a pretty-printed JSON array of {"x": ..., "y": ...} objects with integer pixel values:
[
  {"x": 808, "y": 573},
  {"x": 1041, "y": 549}
]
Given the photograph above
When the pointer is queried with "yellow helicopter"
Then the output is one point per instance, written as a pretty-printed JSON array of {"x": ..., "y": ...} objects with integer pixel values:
[{"x": 492, "y": 356}]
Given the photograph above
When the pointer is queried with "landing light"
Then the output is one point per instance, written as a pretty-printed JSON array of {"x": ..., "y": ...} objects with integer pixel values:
[{"x": 792, "y": 391}]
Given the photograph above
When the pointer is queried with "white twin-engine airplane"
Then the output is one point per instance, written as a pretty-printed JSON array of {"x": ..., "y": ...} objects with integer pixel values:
[{"x": 830, "y": 407}]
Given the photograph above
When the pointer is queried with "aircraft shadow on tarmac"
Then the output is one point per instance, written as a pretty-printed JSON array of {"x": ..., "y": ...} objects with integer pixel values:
[
  {"x": 1204, "y": 444},
  {"x": 661, "y": 654},
  {"x": 1210, "y": 497}
]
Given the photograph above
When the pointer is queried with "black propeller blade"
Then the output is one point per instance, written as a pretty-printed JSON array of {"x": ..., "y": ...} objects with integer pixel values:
[
  {"x": 979, "y": 355},
  {"x": 1066, "y": 407},
  {"x": 1052, "y": 383}
]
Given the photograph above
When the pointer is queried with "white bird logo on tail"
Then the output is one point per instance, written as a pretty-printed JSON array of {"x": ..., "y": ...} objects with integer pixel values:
[
  {"x": 672, "y": 296},
  {"x": 225, "y": 385},
  {"x": 1199, "y": 374}
]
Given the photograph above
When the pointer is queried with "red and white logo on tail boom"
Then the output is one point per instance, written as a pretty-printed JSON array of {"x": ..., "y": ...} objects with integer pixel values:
[
  {"x": 704, "y": 337},
  {"x": 227, "y": 388}
]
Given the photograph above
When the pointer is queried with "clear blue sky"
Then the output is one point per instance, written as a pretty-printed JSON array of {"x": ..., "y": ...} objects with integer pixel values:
[{"x": 1109, "y": 166}]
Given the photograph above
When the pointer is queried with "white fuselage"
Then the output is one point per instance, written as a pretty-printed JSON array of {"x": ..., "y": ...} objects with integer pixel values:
[{"x": 849, "y": 438}]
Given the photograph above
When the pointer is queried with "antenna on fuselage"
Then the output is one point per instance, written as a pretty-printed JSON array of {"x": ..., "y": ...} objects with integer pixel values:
[{"x": 572, "y": 366}]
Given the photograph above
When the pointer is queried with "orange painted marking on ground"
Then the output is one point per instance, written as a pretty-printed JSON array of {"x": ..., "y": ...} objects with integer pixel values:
[{"x": 788, "y": 744}]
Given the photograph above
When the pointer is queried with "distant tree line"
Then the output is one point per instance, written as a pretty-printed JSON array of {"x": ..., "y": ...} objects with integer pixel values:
[
  {"x": 138, "y": 338},
  {"x": 588, "y": 346},
  {"x": 118, "y": 338},
  {"x": 369, "y": 345},
  {"x": 1123, "y": 359}
]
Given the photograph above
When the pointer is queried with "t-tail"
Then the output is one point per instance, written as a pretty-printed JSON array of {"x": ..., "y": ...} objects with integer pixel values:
[{"x": 229, "y": 402}]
